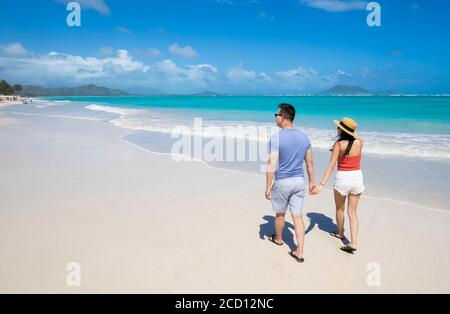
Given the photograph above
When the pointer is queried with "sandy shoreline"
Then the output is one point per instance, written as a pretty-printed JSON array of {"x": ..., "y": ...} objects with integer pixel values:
[
  {"x": 71, "y": 191},
  {"x": 9, "y": 103}
]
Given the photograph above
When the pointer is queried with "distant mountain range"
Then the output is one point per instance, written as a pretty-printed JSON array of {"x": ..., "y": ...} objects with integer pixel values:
[
  {"x": 85, "y": 90},
  {"x": 207, "y": 93},
  {"x": 93, "y": 90},
  {"x": 345, "y": 90}
]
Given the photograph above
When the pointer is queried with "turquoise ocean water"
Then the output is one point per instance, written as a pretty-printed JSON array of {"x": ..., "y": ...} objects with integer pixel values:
[
  {"x": 415, "y": 127},
  {"x": 429, "y": 115}
]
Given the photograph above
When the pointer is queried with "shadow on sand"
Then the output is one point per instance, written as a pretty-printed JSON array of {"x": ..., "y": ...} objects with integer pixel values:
[
  {"x": 268, "y": 228},
  {"x": 322, "y": 222}
]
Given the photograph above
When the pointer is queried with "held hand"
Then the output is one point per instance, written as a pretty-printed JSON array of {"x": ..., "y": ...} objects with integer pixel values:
[
  {"x": 312, "y": 186},
  {"x": 268, "y": 195},
  {"x": 318, "y": 189}
]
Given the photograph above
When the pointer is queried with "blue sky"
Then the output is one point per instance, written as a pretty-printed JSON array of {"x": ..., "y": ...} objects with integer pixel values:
[{"x": 230, "y": 46}]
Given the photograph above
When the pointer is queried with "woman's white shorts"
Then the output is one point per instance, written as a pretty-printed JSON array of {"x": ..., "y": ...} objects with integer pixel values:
[{"x": 349, "y": 182}]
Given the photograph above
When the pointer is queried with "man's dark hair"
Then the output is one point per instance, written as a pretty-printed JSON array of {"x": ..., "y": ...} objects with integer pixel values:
[{"x": 288, "y": 111}]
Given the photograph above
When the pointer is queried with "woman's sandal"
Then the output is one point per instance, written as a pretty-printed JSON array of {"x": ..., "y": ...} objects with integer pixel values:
[
  {"x": 299, "y": 260},
  {"x": 336, "y": 235},
  {"x": 348, "y": 249}
]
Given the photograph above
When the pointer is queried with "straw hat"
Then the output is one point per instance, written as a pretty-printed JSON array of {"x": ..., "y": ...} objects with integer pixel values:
[{"x": 348, "y": 126}]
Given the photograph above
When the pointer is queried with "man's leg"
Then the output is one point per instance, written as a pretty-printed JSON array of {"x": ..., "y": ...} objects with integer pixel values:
[
  {"x": 299, "y": 234},
  {"x": 296, "y": 202},
  {"x": 279, "y": 227}
]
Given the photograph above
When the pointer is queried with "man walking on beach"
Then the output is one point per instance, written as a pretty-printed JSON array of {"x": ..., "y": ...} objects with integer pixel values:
[{"x": 288, "y": 149}]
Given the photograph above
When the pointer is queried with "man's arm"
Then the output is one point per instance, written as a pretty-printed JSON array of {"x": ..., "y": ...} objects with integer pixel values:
[
  {"x": 271, "y": 168},
  {"x": 310, "y": 169}
]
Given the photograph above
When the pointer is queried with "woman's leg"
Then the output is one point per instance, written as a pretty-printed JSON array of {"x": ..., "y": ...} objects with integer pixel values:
[
  {"x": 353, "y": 201},
  {"x": 340, "y": 211}
]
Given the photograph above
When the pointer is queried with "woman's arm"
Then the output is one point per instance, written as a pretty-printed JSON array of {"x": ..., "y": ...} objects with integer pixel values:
[{"x": 330, "y": 169}]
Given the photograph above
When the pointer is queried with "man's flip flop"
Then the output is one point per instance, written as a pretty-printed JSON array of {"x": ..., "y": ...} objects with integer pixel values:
[
  {"x": 348, "y": 249},
  {"x": 299, "y": 260},
  {"x": 272, "y": 239}
]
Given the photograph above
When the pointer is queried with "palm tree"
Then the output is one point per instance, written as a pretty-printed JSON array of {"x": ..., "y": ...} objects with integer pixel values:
[{"x": 5, "y": 88}]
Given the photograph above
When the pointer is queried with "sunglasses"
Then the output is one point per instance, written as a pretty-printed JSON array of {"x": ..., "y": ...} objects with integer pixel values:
[{"x": 278, "y": 115}]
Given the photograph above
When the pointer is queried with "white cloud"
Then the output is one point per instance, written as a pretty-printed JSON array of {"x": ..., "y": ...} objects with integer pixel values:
[
  {"x": 202, "y": 72},
  {"x": 238, "y": 74},
  {"x": 297, "y": 75},
  {"x": 126, "y": 62},
  {"x": 336, "y": 5},
  {"x": 303, "y": 79},
  {"x": 238, "y": 79},
  {"x": 239, "y": 3},
  {"x": 343, "y": 73},
  {"x": 264, "y": 77},
  {"x": 198, "y": 75},
  {"x": 13, "y": 50},
  {"x": 120, "y": 71},
  {"x": 58, "y": 68},
  {"x": 335, "y": 78},
  {"x": 154, "y": 53},
  {"x": 264, "y": 16},
  {"x": 185, "y": 52},
  {"x": 97, "y": 5}
]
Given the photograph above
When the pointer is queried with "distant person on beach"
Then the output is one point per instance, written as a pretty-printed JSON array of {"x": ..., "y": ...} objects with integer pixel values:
[
  {"x": 288, "y": 150},
  {"x": 349, "y": 181}
]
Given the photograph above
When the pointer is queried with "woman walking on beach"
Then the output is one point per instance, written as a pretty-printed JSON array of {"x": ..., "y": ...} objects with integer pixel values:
[{"x": 349, "y": 182}]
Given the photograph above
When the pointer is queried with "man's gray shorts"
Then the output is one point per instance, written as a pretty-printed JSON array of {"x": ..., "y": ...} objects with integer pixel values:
[{"x": 288, "y": 194}]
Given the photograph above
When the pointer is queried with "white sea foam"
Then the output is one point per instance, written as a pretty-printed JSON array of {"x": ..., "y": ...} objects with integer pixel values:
[
  {"x": 403, "y": 145},
  {"x": 115, "y": 110},
  {"x": 45, "y": 103}
]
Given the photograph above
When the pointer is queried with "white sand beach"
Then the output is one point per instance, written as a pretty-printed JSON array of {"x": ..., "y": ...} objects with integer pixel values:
[
  {"x": 72, "y": 191},
  {"x": 8, "y": 103}
]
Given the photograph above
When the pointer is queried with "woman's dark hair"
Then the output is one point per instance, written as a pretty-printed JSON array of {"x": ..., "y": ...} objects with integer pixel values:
[
  {"x": 288, "y": 111},
  {"x": 346, "y": 137}
]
